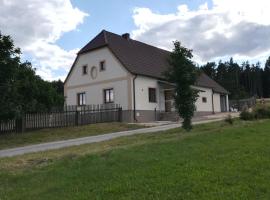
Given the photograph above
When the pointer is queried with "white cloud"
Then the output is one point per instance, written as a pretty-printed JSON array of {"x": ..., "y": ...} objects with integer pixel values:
[
  {"x": 35, "y": 27},
  {"x": 230, "y": 28}
]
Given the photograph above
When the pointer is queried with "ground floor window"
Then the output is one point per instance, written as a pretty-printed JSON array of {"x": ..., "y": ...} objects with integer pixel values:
[
  {"x": 108, "y": 95},
  {"x": 81, "y": 100},
  {"x": 152, "y": 95}
]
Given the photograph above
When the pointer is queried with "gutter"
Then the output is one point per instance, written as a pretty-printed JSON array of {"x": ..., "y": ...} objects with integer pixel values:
[
  {"x": 134, "y": 99},
  {"x": 213, "y": 107}
]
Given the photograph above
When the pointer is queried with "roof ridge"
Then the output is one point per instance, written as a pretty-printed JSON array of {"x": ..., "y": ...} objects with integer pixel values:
[{"x": 118, "y": 35}]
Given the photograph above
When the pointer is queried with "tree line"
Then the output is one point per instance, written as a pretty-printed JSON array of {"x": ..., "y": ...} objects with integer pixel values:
[
  {"x": 21, "y": 89},
  {"x": 242, "y": 81}
]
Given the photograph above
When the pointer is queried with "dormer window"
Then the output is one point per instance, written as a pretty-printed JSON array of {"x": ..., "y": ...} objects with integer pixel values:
[
  {"x": 102, "y": 66},
  {"x": 84, "y": 70}
]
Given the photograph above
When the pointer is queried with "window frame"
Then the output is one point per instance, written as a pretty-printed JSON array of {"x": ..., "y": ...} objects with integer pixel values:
[
  {"x": 84, "y": 70},
  {"x": 111, "y": 91},
  {"x": 81, "y": 102},
  {"x": 103, "y": 68},
  {"x": 150, "y": 97}
]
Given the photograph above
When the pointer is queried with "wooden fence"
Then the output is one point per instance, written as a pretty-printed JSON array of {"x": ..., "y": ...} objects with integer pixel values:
[
  {"x": 242, "y": 104},
  {"x": 64, "y": 117}
]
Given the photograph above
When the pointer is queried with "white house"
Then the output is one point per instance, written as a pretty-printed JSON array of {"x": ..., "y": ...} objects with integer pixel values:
[{"x": 116, "y": 69}]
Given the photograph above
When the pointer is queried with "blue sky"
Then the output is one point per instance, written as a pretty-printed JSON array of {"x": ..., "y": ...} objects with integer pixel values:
[
  {"x": 115, "y": 16},
  {"x": 50, "y": 33}
]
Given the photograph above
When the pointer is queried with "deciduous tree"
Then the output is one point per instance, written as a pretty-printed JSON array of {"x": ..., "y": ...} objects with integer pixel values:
[{"x": 183, "y": 73}]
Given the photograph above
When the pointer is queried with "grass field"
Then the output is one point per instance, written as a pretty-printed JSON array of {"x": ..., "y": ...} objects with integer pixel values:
[
  {"x": 48, "y": 135},
  {"x": 214, "y": 161}
]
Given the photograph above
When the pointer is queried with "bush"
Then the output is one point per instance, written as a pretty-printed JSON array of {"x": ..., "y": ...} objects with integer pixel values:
[
  {"x": 229, "y": 119},
  {"x": 246, "y": 115},
  {"x": 262, "y": 112},
  {"x": 258, "y": 112}
]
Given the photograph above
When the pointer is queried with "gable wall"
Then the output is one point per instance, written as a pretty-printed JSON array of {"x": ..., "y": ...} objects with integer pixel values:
[
  {"x": 114, "y": 68},
  {"x": 115, "y": 76}
]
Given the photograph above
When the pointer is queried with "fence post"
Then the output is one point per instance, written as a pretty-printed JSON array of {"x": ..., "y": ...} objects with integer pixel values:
[
  {"x": 20, "y": 125},
  {"x": 120, "y": 114},
  {"x": 76, "y": 118}
]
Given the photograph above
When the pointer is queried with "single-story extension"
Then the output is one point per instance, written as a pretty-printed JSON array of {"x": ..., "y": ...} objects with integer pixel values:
[{"x": 114, "y": 68}]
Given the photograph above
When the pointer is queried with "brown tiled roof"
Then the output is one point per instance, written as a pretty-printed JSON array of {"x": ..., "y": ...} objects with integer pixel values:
[
  {"x": 140, "y": 58},
  {"x": 205, "y": 81}
]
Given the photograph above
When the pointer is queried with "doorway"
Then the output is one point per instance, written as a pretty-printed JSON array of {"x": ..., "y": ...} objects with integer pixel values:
[{"x": 168, "y": 95}]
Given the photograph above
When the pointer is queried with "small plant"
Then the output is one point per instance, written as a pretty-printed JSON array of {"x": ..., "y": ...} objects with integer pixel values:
[
  {"x": 246, "y": 115},
  {"x": 229, "y": 119}
]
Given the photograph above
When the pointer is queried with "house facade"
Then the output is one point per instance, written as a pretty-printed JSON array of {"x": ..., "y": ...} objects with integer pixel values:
[{"x": 116, "y": 69}]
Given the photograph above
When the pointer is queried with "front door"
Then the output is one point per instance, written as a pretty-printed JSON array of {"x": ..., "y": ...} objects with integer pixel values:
[{"x": 168, "y": 94}]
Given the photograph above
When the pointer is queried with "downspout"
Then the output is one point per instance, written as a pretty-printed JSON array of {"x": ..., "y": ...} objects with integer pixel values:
[
  {"x": 134, "y": 99},
  {"x": 213, "y": 107}
]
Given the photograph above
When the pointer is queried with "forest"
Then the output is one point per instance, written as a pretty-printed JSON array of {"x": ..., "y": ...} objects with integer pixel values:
[{"x": 242, "y": 81}]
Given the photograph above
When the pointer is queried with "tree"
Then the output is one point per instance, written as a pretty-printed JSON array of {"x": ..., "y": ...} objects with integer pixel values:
[
  {"x": 210, "y": 69},
  {"x": 9, "y": 65},
  {"x": 183, "y": 73},
  {"x": 21, "y": 90},
  {"x": 266, "y": 79}
]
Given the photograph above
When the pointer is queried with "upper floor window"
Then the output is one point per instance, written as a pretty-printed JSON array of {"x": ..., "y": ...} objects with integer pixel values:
[
  {"x": 102, "y": 66},
  {"x": 108, "y": 95},
  {"x": 84, "y": 69},
  {"x": 152, "y": 95},
  {"x": 81, "y": 100},
  {"x": 204, "y": 100}
]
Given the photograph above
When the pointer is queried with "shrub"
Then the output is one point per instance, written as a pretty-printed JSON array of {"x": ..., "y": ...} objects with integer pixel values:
[
  {"x": 262, "y": 112},
  {"x": 229, "y": 119},
  {"x": 246, "y": 115}
]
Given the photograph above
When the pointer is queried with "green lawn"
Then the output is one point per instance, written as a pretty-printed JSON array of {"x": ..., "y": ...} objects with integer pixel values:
[
  {"x": 48, "y": 135},
  {"x": 214, "y": 161}
]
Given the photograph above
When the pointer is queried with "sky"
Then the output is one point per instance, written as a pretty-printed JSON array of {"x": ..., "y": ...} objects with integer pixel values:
[{"x": 51, "y": 32}]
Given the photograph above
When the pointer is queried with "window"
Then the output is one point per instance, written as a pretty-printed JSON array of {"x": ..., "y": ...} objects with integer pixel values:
[
  {"x": 204, "y": 100},
  {"x": 108, "y": 96},
  {"x": 84, "y": 69},
  {"x": 81, "y": 99},
  {"x": 152, "y": 95},
  {"x": 102, "y": 65}
]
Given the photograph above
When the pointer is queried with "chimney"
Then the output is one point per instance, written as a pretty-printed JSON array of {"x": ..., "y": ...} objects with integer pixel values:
[{"x": 126, "y": 36}]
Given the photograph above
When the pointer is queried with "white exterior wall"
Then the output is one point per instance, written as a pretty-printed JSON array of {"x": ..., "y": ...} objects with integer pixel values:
[
  {"x": 216, "y": 98},
  {"x": 142, "y": 84},
  {"x": 114, "y": 68},
  {"x": 200, "y": 105},
  {"x": 115, "y": 76},
  {"x": 94, "y": 93},
  {"x": 142, "y": 99}
]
